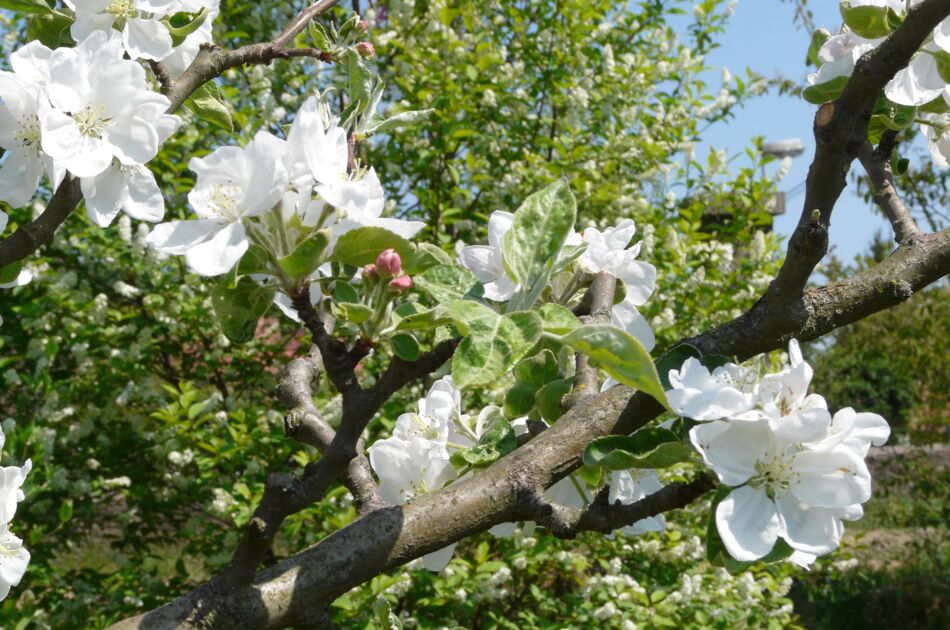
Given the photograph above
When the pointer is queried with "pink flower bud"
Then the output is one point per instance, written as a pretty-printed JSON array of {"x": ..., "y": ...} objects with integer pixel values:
[
  {"x": 366, "y": 50},
  {"x": 362, "y": 25},
  {"x": 401, "y": 283},
  {"x": 369, "y": 272},
  {"x": 388, "y": 263}
]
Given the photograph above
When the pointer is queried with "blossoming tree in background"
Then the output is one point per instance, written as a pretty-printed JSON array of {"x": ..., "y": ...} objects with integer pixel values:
[{"x": 545, "y": 412}]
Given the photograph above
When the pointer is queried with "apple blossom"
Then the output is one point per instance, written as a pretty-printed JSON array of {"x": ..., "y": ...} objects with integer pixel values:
[
  {"x": 11, "y": 481},
  {"x": 408, "y": 468},
  {"x": 786, "y": 489},
  {"x": 487, "y": 261},
  {"x": 186, "y": 52},
  {"x": 936, "y": 128},
  {"x": 14, "y": 559},
  {"x": 102, "y": 108},
  {"x": 388, "y": 263},
  {"x": 702, "y": 395},
  {"x": 920, "y": 82},
  {"x": 608, "y": 251},
  {"x": 233, "y": 185}
]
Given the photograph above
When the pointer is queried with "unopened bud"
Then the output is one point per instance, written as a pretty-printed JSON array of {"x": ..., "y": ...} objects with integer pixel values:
[
  {"x": 362, "y": 25},
  {"x": 369, "y": 272},
  {"x": 401, "y": 284},
  {"x": 366, "y": 50},
  {"x": 389, "y": 263}
]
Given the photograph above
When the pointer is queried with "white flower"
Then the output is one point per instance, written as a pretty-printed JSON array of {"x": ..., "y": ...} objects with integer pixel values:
[
  {"x": 838, "y": 56},
  {"x": 317, "y": 157},
  {"x": 918, "y": 83},
  {"x": 130, "y": 188},
  {"x": 857, "y": 431},
  {"x": 938, "y": 134},
  {"x": 787, "y": 490},
  {"x": 143, "y": 35},
  {"x": 11, "y": 482},
  {"x": 701, "y": 395},
  {"x": 13, "y": 560},
  {"x": 629, "y": 486},
  {"x": 102, "y": 108},
  {"x": 183, "y": 54},
  {"x": 791, "y": 412},
  {"x": 22, "y": 103},
  {"x": 233, "y": 184},
  {"x": 409, "y": 468},
  {"x": 487, "y": 261},
  {"x": 608, "y": 252},
  {"x": 439, "y": 413}
]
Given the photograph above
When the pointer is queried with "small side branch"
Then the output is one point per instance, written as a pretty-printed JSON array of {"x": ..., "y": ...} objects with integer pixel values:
[
  {"x": 877, "y": 165},
  {"x": 605, "y": 517},
  {"x": 599, "y": 301}
]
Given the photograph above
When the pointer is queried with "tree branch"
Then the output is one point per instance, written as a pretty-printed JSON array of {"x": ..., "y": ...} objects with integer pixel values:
[
  {"x": 31, "y": 236},
  {"x": 597, "y": 304},
  {"x": 840, "y": 130},
  {"x": 877, "y": 165}
]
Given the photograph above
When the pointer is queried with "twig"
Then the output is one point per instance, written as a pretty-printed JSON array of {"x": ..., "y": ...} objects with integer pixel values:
[
  {"x": 878, "y": 167},
  {"x": 600, "y": 300}
]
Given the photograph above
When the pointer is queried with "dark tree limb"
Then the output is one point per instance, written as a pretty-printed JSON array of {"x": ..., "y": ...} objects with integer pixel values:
[
  {"x": 40, "y": 231},
  {"x": 877, "y": 165}
]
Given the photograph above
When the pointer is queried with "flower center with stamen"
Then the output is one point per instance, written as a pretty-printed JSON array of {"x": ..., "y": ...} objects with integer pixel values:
[
  {"x": 27, "y": 133},
  {"x": 121, "y": 9},
  {"x": 92, "y": 120},
  {"x": 773, "y": 474},
  {"x": 224, "y": 201}
]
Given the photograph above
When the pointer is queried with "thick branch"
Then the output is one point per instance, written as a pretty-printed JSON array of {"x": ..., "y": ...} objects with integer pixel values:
[
  {"x": 31, "y": 236},
  {"x": 596, "y": 305},
  {"x": 877, "y": 164}
]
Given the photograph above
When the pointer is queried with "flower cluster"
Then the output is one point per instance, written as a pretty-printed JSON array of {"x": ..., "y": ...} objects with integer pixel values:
[
  {"x": 304, "y": 182},
  {"x": 89, "y": 111},
  {"x": 795, "y": 471},
  {"x": 14, "y": 558},
  {"x": 923, "y": 83},
  {"x": 603, "y": 251},
  {"x": 150, "y": 29}
]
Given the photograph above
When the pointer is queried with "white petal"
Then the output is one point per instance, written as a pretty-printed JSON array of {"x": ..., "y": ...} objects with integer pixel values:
[
  {"x": 812, "y": 530},
  {"x": 503, "y": 530},
  {"x": 60, "y": 135},
  {"x": 498, "y": 225},
  {"x": 133, "y": 140},
  {"x": 104, "y": 195},
  {"x": 438, "y": 560},
  {"x": 177, "y": 237},
  {"x": 20, "y": 176},
  {"x": 918, "y": 83},
  {"x": 748, "y": 523},
  {"x": 268, "y": 177},
  {"x": 480, "y": 260},
  {"x": 220, "y": 253},
  {"x": 399, "y": 227},
  {"x": 834, "y": 479},
  {"x": 144, "y": 201},
  {"x": 732, "y": 449},
  {"x": 626, "y": 316},
  {"x": 146, "y": 39}
]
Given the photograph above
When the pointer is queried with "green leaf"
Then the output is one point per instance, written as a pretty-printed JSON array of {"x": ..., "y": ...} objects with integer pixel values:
[
  {"x": 9, "y": 273},
  {"x": 619, "y": 354},
  {"x": 361, "y": 246},
  {"x": 386, "y": 618},
  {"x": 497, "y": 440},
  {"x": 548, "y": 399},
  {"x": 351, "y": 312},
  {"x": 425, "y": 256},
  {"x": 446, "y": 283},
  {"x": 405, "y": 346},
  {"x": 493, "y": 342},
  {"x": 65, "y": 511},
  {"x": 531, "y": 374},
  {"x": 254, "y": 260},
  {"x": 360, "y": 79},
  {"x": 191, "y": 24},
  {"x": 868, "y": 22},
  {"x": 538, "y": 231},
  {"x": 50, "y": 29},
  {"x": 673, "y": 360},
  {"x": 26, "y": 6},
  {"x": 319, "y": 36},
  {"x": 818, "y": 39},
  {"x": 239, "y": 307},
  {"x": 825, "y": 92},
  {"x": 402, "y": 119},
  {"x": 647, "y": 448},
  {"x": 307, "y": 256},
  {"x": 209, "y": 104},
  {"x": 557, "y": 319}
]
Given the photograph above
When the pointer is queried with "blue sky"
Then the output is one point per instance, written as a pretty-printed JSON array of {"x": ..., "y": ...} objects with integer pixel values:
[{"x": 762, "y": 36}]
